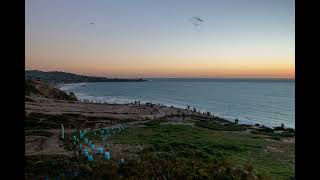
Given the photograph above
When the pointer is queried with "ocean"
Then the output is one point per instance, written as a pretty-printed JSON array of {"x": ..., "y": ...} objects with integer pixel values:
[{"x": 268, "y": 102}]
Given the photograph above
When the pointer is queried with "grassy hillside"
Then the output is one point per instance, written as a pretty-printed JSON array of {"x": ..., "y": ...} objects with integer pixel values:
[
  {"x": 177, "y": 151},
  {"x": 271, "y": 158}
]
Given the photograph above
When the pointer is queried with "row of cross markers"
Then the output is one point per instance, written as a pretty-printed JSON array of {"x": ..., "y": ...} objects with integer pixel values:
[{"x": 87, "y": 146}]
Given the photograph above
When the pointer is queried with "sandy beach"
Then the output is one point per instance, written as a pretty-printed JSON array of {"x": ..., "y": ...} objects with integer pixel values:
[{"x": 127, "y": 112}]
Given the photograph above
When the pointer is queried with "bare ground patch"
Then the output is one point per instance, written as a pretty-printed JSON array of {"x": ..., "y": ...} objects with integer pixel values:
[{"x": 52, "y": 145}]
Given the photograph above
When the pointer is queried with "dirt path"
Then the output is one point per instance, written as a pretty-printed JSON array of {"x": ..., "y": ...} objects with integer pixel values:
[{"x": 51, "y": 144}]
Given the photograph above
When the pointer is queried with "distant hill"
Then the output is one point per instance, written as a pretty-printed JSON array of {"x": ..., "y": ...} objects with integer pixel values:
[{"x": 55, "y": 77}]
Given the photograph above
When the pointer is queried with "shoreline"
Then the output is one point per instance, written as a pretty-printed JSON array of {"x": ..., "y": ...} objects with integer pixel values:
[
  {"x": 230, "y": 119},
  {"x": 174, "y": 110},
  {"x": 257, "y": 115}
]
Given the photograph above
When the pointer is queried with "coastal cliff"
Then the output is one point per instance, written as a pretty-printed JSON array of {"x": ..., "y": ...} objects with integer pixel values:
[
  {"x": 34, "y": 88},
  {"x": 56, "y": 77}
]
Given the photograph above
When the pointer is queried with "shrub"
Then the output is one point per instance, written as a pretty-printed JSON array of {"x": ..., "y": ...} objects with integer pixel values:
[
  {"x": 279, "y": 128},
  {"x": 221, "y": 127},
  {"x": 290, "y": 130},
  {"x": 266, "y": 129},
  {"x": 149, "y": 165}
]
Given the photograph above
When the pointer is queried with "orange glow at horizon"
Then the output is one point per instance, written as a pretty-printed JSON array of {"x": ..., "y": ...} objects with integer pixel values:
[{"x": 175, "y": 70}]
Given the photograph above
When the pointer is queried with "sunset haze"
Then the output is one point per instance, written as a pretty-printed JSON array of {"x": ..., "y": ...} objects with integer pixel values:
[{"x": 238, "y": 38}]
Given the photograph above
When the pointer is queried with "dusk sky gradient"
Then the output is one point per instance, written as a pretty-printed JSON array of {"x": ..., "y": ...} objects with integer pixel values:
[{"x": 149, "y": 38}]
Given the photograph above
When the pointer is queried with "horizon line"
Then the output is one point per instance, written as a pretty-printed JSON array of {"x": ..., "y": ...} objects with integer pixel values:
[{"x": 172, "y": 77}]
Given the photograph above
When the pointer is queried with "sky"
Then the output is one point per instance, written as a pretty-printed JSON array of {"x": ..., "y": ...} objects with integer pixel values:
[{"x": 156, "y": 38}]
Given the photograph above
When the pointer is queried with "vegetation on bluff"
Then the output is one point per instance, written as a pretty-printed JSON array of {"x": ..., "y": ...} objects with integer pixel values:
[
  {"x": 222, "y": 127},
  {"x": 41, "y": 89},
  {"x": 173, "y": 151},
  {"x": 150, "y": 165}
]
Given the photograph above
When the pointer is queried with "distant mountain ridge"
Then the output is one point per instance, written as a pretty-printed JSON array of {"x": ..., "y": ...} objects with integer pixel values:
[{"x": 56, "y": 77}]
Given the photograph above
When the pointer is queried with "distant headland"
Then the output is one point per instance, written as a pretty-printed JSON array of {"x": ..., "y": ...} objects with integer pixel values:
[{"x": 57, "y": 77}]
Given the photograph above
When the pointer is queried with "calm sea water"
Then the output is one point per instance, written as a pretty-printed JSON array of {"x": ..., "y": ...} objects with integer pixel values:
[{"x": 268, "y": 102}]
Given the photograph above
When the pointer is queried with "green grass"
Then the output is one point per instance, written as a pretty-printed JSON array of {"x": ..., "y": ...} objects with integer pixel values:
[
  {"x": 149, "y": 165},
  {"x": 221, "y": 127},
  {"x": 192, "y": 151},
  {"x": 241, "y": 148},
  {"x": 154, "y": 122}
]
